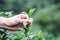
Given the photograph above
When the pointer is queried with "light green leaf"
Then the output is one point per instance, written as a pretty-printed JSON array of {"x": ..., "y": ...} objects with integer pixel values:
[
  {"x": 31, "y": 11},
  {"x": 40, "y": 34}
]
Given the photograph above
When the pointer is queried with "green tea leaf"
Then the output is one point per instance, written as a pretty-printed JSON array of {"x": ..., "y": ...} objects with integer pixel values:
[
  {"x": 40, "y": 34},
  {"x": 31, "y": 11}
]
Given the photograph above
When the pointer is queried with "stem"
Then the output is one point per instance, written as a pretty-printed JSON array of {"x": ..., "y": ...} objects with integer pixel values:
[
  {"x": 26, "y": 32},
  {"x": 26, "y": 29}
]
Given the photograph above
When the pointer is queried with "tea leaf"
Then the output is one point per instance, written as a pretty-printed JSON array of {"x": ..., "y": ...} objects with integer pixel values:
[
  {"x": 31, "y": 11},
  {"x": 40, "y": 34}
]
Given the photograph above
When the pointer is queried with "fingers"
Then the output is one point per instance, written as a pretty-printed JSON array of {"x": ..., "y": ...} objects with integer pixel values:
[
  {"x": 23, "y": 15},
  {"x": 30, "y": 20},
  {"x": 22, "y": 20}
]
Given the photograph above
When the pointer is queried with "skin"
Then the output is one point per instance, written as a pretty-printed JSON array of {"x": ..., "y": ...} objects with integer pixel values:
[{"x": 16, "y": 22}]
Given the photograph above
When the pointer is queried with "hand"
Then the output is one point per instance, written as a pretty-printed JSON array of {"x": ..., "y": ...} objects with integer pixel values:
[{"x": 16, "y": 22}]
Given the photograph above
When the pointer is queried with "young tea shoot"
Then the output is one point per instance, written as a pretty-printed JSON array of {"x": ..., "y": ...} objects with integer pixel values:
[{"x": 26, "y": 24}]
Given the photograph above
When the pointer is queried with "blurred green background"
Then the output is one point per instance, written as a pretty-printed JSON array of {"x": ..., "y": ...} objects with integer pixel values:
[{"x": 46, "y": 16}]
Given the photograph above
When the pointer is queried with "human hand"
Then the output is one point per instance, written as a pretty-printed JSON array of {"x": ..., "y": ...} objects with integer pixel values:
[{"x": 16, "y": 22}]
